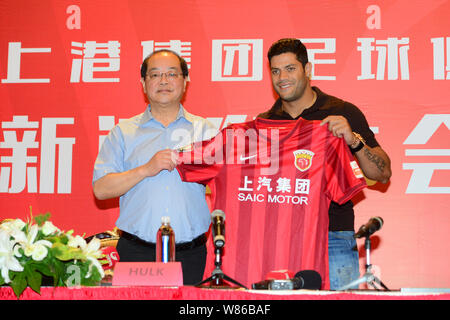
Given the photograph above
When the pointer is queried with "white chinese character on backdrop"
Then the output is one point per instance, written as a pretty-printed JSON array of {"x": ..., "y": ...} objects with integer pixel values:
[
  {"x": 14, "y": 181},
  {"x": 15, "y": 52},
  {"x": 49, "y": 142},
  {"x": 237, "y": 60},
  {"x": 329, "y": 46},
  {"x": 441, "y": 58},
  {"x": 20, "y": 171},
  {"x": 95, "y": 57},
  {"x": 283, "y": 185},
  {"x": 182, "y": 48},
  {"x": 302, "y": 186},
  {"x": 392, "y": 51},
  {"x": 423, "y": 171}
]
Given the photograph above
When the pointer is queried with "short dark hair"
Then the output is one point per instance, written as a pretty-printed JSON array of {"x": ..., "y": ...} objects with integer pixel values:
[
  {"x": 289, "y": 45},
  {"x": 183, "y": 64}
]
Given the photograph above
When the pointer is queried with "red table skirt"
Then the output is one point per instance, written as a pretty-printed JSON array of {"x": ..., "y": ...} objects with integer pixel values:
[{"x": 193, "y": 293}]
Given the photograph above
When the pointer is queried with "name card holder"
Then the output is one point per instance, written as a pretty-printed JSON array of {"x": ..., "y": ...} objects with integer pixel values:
[{"x": 160, "y": 274}]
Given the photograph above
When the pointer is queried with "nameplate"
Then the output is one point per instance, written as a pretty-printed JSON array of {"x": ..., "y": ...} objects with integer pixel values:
[{"x": 148, "y": 274}]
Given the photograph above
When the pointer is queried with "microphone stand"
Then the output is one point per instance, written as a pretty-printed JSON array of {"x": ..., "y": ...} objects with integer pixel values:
[
  {"x": 217, "y": 277},
  {"x": 368, "y": 277}
]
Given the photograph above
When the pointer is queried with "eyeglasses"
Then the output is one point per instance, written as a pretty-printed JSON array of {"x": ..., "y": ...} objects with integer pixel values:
[{"x": 170, "y": 75}]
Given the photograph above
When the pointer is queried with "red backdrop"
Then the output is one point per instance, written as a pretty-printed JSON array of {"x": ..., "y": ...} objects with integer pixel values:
[{"x": 69, "y": 70}]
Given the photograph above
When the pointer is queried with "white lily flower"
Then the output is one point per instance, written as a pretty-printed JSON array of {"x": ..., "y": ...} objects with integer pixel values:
[
  {"x": 39, "y": 253},
  {"x": 13, "y": 225},
  {"x": 7, "y": 259},
  {"x": 49, "y": 228},
  {"x": 90, "y": 250},
  {"x": 93, "y": 253},
  {"x": 37, "y": 250},
  {"x": 76, "y": 242}
]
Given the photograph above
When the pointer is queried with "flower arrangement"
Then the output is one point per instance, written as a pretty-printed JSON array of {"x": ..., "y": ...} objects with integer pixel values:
[{"x": 30, "y": 252}]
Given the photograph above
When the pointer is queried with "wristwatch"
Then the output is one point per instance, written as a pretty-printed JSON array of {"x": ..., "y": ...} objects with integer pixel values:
[{"x": 358, "y": 143}]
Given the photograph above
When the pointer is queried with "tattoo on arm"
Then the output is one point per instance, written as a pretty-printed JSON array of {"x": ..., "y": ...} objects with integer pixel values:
[{"x": 378, "y": 161}]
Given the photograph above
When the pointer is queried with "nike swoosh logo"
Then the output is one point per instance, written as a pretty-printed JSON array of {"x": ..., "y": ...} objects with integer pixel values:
[{"x": 242, "y": 158}]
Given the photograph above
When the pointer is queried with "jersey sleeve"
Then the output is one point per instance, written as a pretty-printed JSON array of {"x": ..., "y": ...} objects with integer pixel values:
[
  {"x": 344, "y": 177},
  {"x": 201, "y": 161}
]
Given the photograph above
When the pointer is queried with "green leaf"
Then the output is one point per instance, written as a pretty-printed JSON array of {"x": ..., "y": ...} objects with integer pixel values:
[
  {"x": 58, "y": 272},
  {"x": 58, "y": 239},
  {"x": 40, "y": 219},
  {"x": 34, "y": 281},
  {"x": 44, "y": 269},
  {"x": 66, "y": 253},
  {"x": 18, "y": 284}
]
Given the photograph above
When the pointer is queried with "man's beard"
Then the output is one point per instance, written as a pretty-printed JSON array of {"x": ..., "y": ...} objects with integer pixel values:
[{"x": 297, "y": 94}]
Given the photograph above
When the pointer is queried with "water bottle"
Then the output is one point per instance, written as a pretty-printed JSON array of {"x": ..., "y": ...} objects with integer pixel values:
[{"x": 165, "y": 242}]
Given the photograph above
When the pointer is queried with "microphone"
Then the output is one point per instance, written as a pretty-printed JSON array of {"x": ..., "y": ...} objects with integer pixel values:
[
  {"x": 306, "y": 279},
  {"x": 374, "y": 224},
  {"x": 218, "y": 228}
]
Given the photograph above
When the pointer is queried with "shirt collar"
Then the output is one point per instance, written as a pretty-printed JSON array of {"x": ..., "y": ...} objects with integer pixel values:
[
  {"x": 277, "y": 108},
  {"x": 182, "y": 113}
]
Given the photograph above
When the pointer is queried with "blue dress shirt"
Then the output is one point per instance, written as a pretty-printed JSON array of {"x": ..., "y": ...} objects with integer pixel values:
[{"x": 132, "y": 143}]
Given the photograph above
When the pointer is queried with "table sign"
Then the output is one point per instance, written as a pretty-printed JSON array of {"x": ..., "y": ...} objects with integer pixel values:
[{"x": 148, "y": 274}]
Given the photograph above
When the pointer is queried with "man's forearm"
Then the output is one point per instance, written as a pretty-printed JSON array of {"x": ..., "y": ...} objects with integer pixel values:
[
  {"x": 374, "y": 163},
  {"x": 117, "y": 184}
]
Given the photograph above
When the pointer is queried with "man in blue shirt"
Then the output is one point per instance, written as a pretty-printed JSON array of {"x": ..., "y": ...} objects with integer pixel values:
[{"x": 136, "y": 163}]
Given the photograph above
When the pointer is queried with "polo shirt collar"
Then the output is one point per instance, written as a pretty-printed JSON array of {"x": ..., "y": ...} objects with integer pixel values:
[{"x": 278, "y": 110}]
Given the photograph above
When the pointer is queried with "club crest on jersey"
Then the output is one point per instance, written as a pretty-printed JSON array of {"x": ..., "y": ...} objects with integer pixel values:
[{"x": 303, "y": 159}]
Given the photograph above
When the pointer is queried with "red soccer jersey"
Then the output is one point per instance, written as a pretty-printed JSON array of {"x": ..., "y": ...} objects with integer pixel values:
[{"x": 274, "y": 180}]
